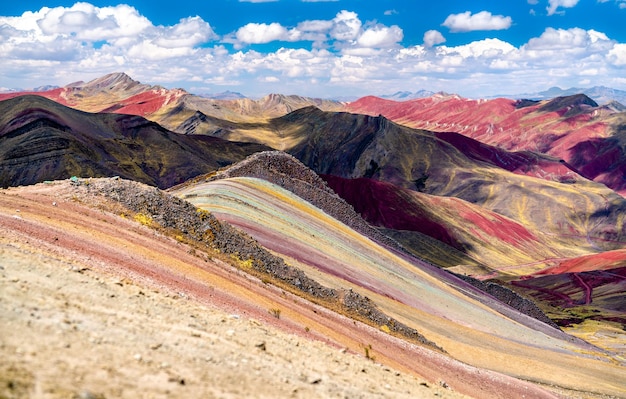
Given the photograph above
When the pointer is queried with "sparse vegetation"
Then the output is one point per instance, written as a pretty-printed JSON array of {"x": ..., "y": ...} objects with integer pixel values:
[
  {"x": 275, "y": 312},
  {"x": 144, "y": 219},
  {"x": 368, "y": 352}
]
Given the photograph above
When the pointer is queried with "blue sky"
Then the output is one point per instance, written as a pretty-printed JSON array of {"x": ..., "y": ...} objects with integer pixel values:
[{"x": 318, "y": 48}]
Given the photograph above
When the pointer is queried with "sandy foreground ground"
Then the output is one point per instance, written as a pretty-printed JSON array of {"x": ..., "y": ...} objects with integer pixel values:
[
  {"x": 70, "y": 332},
  {"x": 95, "y": 305}
]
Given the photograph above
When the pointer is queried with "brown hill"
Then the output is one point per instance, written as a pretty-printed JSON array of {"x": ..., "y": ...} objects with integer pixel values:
[
  {"x": 171, "y": 108},
  {"x": 43, "y": 140},
  {"x": 355, "y": 146}
]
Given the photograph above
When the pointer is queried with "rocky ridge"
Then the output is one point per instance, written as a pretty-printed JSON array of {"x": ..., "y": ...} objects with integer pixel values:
[{"x": 180, "y": 217}]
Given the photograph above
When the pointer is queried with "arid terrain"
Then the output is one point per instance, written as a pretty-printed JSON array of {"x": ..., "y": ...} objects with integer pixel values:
[
  {"x": 88, "y": 311},
  {"x": 97, "y": 304},
  {"x": 166, "y": 245}
]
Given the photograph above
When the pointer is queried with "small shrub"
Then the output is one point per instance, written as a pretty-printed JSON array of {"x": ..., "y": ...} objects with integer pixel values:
[
  {"x": 275, "y": 312},
  {"x": 144, "y": 219},
  {"x": 368, "y": 352},
  {"x": 246, "y": 264}
]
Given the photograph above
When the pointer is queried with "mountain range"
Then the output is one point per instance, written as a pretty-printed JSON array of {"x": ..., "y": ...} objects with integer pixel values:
[
  {"x": 600, "y": 94},
  {"x": 489, "y": 231}
]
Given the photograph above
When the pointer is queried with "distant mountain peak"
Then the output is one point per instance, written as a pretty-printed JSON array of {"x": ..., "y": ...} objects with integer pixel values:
[
  {"x": 568, "y": 102},
  {"x": 407, "y": 95},
  {"x": 226, "y": 95},
  {"x": 600, "y": 94},
  {"x": 117, "y": 81}
]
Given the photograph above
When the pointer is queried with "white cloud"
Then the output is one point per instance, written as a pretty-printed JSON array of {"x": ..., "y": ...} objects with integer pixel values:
[
  {"x": 346, "y": 26},
  {"x": 254, "y": 33},
  {"x": 148, "y": 50},
  {"x": 87, "y": 22},
  {"x": 315, "y": 26},
  {"x": 66, "y": 33},
  {"x": 484, "y": 49},
  {"x": 466, "y": 22},
  {"x": 380, "y": 37},
  {"x": 569, "y": 39},
  {"x": 188, "y": 33},
  {"x": 269, "y": 79},
  {"x": 433, "y": 37},
  {"x": 617, "y": 55},
  {"x": 390, "y": 12},
  {"x": 345, "y": 32},
  {"x": 553, "y": 5}
]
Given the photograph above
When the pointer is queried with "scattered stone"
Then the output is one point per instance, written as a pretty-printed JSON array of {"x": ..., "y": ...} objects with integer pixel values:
[
  {"x": 261, "y": 346},
  {"x": 178, "y": 380},
  {"x": 86, "y": 394}
]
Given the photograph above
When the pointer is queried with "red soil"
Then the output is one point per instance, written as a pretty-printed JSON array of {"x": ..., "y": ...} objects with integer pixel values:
[
  {"x": 142, "y": 104},
  {"x": 602, "y": 261}
]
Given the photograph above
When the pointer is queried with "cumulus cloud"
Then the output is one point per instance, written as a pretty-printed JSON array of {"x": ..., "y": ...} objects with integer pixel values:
[
  {"x": 315, "y": 26},
  {"x": 433, "y": 37},
  {"x": 346, "y": 26},
  {"x": 482, "y": 49},
  {"x": 87, "y": 22},
  {"x": 345, "y": 31},
  {"x": 484, "y": 20},
  {"x": 269, "y": 79},
  {"x": 553, "y": 5},
  {"x": 617, "y": 55},
  {"x": 116, "y": 29},
  {"x": 261, "y": 33},
  {"x": 188, "y": 33},
  {"x": 569, "y": 39},
  {"x": 380, "y": 37}
]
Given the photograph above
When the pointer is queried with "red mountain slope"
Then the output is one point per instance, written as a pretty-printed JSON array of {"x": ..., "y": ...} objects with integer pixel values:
[{"x": 573, "y": 129}]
